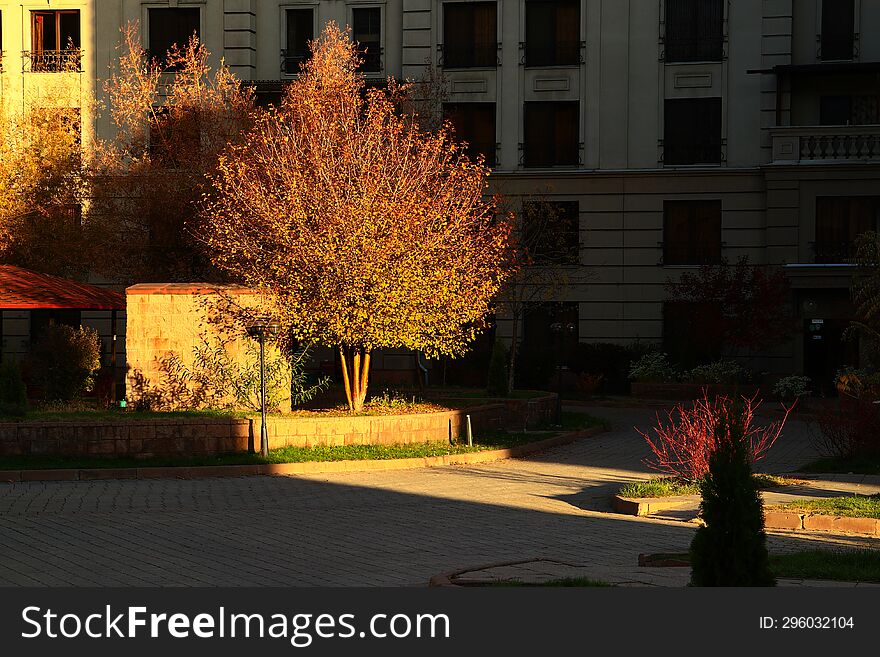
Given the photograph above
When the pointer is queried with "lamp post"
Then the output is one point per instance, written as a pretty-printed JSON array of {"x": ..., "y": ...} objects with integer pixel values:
[
  {"x": 559, "y": 329},
  {"x": 260, "y": 329}
]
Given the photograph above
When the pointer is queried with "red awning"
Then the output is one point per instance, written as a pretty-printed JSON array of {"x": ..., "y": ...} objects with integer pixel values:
[{"x": 21, "y": 289}]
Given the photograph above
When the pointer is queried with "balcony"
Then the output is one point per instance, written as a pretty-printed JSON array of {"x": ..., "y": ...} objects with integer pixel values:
[
  {"x": 292, "y": 61},
  {"x": 52, "y": 61},
  {"x": 821, "y": 144}
]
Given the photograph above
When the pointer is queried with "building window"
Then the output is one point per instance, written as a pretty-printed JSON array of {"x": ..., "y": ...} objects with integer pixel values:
[
  {"x": 838, "y": 29},
  {"x": 474, "y": 123},
  {"x": 553, "y": 29},
  {"x": 300, "y": 29},
  {"x": 55, "y": 41},
  {"x": 549, "y": 340},
  {"x": 692, "y": 131},
  {"x": 551, "y": 232},
  {"x": 470, "y": 35},
  {"x": 367, "y": 33},
  {"x": 839, "y": 222},
  {"x": 694, "y": 30},
  {"x": 691, "y": 232},
  {"x": 552, "y": 135},
  {"x": 849, "y": 110},
  {"x": 692, "y": 332},
  {"x": 171, "y": 27}
]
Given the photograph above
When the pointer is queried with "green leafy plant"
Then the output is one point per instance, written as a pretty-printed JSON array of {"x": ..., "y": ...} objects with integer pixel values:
[
  {"x": 790, "y": 388},
  {"x": 498, "y": 379},
  {"x": 731, "y": 549},
  {"x": 216, "y": 378},
  {"x": 720, "y": 372},
  {"x": 653, "y": 367},
  {"x": 13, "y": 392},
  {"x": 64, "y": 360}
]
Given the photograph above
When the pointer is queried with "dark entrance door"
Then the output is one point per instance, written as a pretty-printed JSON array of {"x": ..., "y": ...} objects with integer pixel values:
[{"x": 826, "y": 351}]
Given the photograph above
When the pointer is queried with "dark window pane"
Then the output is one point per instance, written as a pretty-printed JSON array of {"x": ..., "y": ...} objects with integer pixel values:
[
  {"x": 55, "y": 41},
  {"x": 475, "y": 124},
  {"x": 367, "y": 33},
  {"x": 171, "y": 26},
  {"x": 694, "y": 30},
  {"x": 300, "y": 30},
  {"x": 551, "y": 134},
  {"x": 691, "y": 333},
  {"x": 691, "y": 232},
  {"x": 552, "y": 32},
  {"x": 838, "y": 28},
  {"x": 839, "y": 222},
  {"x": 835, "y": 110},
  {"x": 692, "y": 131},
  {"x": 551, "y": 231},
  {"x": 470, "y": 35}
]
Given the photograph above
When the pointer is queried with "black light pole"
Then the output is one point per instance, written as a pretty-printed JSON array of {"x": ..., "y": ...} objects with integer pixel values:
[
  {"x": 558, "y": 329},
  {"x": 259, "y": 329}
]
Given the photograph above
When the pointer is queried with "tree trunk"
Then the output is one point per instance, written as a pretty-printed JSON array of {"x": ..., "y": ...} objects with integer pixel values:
[
  {"x": 355, "y": 376},
  {"x": 511, "y": 360}
]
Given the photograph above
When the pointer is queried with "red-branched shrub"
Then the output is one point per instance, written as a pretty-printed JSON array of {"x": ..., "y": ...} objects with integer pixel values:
[
  {"x": 851, "y": 430},
  {"x": 686, "y": 437}
]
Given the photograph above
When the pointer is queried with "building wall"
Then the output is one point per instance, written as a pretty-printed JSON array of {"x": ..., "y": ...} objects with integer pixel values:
[{"x": 623, "y": 80}]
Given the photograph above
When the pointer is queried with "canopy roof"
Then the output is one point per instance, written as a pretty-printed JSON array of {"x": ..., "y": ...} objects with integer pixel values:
[{"x": 22, "y": 289}]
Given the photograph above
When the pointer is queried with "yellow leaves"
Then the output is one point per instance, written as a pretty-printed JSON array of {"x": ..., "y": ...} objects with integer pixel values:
[{"x": 366, "y": 229}]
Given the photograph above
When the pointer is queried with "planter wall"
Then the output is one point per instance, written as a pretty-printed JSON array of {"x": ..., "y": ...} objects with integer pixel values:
[
  {"x": 689, "y": 391},
  {"x": 200, "y": 437}
]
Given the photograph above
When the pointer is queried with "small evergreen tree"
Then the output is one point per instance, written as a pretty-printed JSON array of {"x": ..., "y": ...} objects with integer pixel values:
[
  {"x": 13, "y": 392},
  {"x": 64, "y": 360},
  {"x": 731, "y": 549},
  {"x": 498, "y": 380}
]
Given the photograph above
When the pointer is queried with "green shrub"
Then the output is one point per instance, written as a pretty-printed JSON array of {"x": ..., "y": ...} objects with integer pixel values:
[
  {"x": 216, "y": 378},
  {"x": 790, "y": 388},
  {"x": 13, "y": 392},
  {"x": 731, "y": 549},
  {"x": 653, "y": 367},
  {"x": 719, "y": 372},
  {"x": 497, "y": 385},
  {"x": 64, "y": 360}
]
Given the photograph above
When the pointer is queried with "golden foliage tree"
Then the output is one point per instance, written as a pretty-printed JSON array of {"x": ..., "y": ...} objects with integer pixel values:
[
  {"x": 173, "y": 117},
  {"x": 368, "y": 231},
  {"x": 40, "y": 157}
]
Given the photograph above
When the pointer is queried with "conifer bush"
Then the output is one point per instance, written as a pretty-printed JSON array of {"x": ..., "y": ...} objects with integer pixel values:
[
  {"x": 498, "y": 381},
  {"x": 731, "y": 549},
  {"x": 13, "y": 392}
]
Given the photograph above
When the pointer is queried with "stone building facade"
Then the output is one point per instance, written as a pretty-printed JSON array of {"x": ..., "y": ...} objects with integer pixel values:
[{"x": 677, "y": 132}]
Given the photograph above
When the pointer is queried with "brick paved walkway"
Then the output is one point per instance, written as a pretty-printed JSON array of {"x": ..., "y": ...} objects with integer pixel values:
[{"x": 381, "y": 528}]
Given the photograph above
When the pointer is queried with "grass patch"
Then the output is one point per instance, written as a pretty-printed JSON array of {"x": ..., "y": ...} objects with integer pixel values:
[
  {"x": 843, "y": 566},
  {"x": 853, "y": 566},
  {"x": 671, "y": 486},
  {"x": 856, "y": 506},
  {"x": 865, "y": 465},
  {"x": 485, "y": 442}
]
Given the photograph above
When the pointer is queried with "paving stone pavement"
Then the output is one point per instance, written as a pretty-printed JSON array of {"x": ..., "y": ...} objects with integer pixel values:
[{"x": 380, "y": 528}]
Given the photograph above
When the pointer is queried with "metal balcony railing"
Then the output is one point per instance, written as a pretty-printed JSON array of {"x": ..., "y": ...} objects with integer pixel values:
[
  {"x": 292, "y": 60},
  {"x": 471, "y": 55},
  {"x": 826, "y": 143},
  {"x": 52, "y": 61}
]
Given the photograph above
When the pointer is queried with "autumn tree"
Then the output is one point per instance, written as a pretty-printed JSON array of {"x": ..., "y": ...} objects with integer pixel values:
[
  {"x": 172, "y": 117},
  {"x": 40, "y": 157},
  {"x": 739, "y": 307},
  {"x": 368, "y": 231}
]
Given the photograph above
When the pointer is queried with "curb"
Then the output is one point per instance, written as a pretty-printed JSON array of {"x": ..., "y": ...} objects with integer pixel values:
[
  {"x": 307, "y": 467},
  {"x": 445, "y": 579},
  {"x": 817, "y": 522},
  {"x": 643, "y": 506}
]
